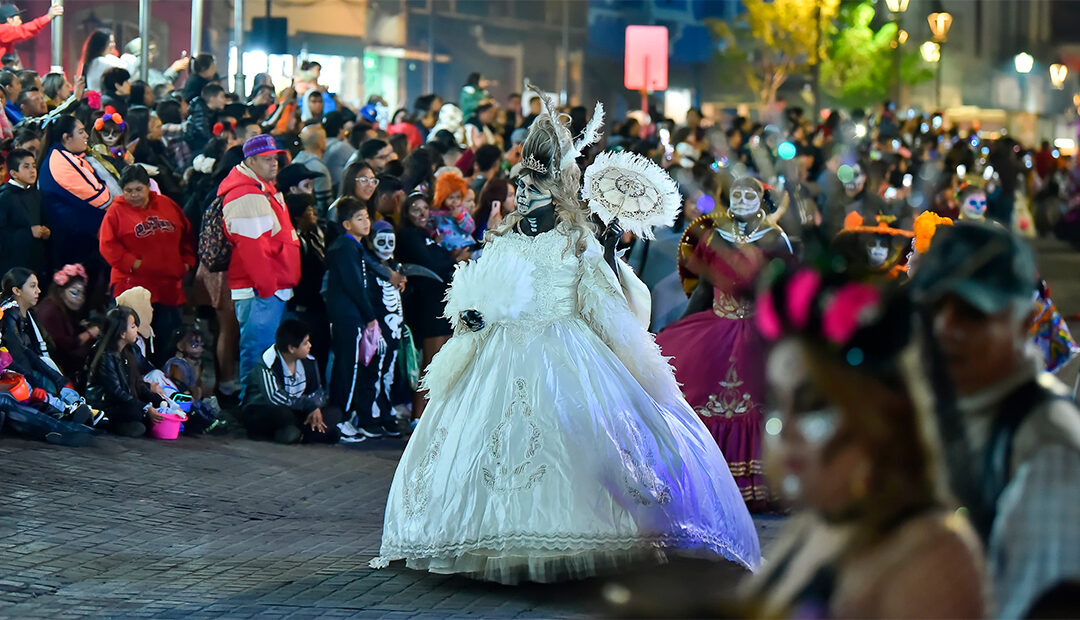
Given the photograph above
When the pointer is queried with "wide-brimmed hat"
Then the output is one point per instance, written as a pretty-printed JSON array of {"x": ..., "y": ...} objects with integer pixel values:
[{"x": 854, "y": 223}]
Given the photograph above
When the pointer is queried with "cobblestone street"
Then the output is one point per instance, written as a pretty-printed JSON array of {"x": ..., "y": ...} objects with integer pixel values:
[{"x": 231, "y": 528}]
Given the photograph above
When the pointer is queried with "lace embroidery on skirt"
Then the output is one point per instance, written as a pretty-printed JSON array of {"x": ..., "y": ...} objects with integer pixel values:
[{"x": 505, "y": 474}]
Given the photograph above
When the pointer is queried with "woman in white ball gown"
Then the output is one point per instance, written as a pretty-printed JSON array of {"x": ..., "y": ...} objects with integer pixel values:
[{"x": 556, "y": 444}]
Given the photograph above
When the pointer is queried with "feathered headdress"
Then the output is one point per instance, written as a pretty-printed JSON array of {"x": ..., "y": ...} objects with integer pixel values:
[{"x": 549, "y": 148}]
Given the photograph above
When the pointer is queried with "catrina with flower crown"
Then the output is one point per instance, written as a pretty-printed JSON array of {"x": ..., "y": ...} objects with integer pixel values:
[
  {"x": 556, "y": 444},
  {"x": 718, "y": 355}
]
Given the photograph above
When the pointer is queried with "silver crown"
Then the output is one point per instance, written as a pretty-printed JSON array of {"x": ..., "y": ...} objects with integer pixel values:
[{"x": 533, "y": 164}]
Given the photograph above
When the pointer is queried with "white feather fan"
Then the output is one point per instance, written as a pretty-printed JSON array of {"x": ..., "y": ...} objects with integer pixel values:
[{"x": 633, "y": 189}]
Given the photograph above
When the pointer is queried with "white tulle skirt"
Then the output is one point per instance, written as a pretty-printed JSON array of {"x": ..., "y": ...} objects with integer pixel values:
[{"x": 550, "y": 462}]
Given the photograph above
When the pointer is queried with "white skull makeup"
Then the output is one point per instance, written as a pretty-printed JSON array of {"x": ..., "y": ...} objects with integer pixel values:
[
  {"x": 745, "y": 202},
  {"x": 384, "y": 243},
  {"x": 973, "y": 206},
  {"x": 877, "y": 251},
  {"x": 857, "y": 182},
  {"x": 528, "y": 196},
  {"x": 111, "y": 136}
]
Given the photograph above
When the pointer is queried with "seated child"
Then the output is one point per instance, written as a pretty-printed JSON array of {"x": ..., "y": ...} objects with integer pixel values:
[{"x": 113, "y": 384}]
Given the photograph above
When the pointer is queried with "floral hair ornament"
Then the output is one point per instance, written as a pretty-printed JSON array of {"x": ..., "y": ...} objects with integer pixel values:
[
  {"x": 798, "y": 294},
  {"x": 93, "y": 99},
  {"x": 62, "y": 277},
  {"x": 111, "y": 115},
  {"x": 220, "y": 127},
  {"x": 851, "y": 306},
  {"x": 925, "y": 227}
]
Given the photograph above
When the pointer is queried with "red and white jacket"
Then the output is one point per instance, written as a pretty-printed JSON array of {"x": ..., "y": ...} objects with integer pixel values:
[{"x": 266, "y": 248}]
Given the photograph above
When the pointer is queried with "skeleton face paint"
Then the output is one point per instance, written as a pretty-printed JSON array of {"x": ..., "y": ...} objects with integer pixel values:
[
  {"x": 857, "y": 182},
  {"x": 384, "y": 243},
  {"x": 974, "y": 206},
  {"x": 877, "y": 251},
  {"x": 529, "y": 196},
  {"x": 745, "y": 202},
  {"x": 111, "y": 136}
]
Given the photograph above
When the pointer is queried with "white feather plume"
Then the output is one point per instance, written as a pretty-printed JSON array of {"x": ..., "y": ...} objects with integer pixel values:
[
  {"x": 589, "y": 136},
  {"x": 633, "y": 189},
  {"x": 592, "y": 131},
  {"x": 499, "y": 291}
]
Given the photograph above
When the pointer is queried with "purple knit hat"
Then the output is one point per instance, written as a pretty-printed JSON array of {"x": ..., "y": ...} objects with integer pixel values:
[{"x": 262, "y": 144}]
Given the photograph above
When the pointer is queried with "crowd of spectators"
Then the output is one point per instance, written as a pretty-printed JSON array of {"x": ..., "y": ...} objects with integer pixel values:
[{"x": 310, "y": 243}]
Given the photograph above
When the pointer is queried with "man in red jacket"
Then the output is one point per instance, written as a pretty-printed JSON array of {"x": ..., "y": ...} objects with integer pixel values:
[
  {"x": 13, "y": 30},
  {"x": 265, "y": 263}
]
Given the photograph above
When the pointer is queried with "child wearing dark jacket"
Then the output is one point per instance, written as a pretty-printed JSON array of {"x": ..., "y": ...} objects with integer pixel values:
[
  {"x": 284, "y": 399},
  {"x": 114, "y": 384},
  {"x": 354, "y": 304}
]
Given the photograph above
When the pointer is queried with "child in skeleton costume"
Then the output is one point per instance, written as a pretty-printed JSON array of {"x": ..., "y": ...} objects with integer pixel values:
[
  {"x": 391, "y": 319},
  {"x": 556, "y": 444},
  {"x": 359, "y": 299},
  {"x": 719, "y": 356}
]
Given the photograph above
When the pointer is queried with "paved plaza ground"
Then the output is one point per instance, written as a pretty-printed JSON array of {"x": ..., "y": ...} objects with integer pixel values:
[{"x": 230, "y": 528}]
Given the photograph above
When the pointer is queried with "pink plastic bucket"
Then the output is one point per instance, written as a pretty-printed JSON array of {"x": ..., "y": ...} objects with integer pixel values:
[{"x": 169, "y": 428}]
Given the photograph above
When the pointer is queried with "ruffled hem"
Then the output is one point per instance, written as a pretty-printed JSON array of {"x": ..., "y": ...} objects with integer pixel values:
[{"x": 508, "y": 562}]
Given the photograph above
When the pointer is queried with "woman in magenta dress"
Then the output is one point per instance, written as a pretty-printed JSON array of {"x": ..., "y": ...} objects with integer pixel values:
[{"x": 718, "y": 355}]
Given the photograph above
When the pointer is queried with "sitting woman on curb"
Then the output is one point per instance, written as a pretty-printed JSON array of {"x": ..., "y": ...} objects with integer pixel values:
[{"x": 63, "y": 315}]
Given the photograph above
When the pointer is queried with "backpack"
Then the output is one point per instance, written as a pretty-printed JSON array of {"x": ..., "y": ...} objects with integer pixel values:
[{"x": 215, "y": 250}]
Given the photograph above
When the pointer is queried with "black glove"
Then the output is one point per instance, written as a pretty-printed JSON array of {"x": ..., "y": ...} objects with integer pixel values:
[
  {"x": 472, "y": 320},
  {"x": 610, "y": 239}
]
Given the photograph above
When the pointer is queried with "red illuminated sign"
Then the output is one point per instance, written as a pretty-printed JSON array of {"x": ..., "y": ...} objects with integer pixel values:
[{"x": 646, "y": 58}]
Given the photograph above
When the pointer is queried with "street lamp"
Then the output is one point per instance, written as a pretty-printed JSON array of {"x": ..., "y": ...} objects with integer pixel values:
[
  {"x": 1058, "y": 73},
  {"x": 897, "y": 7},
  {"x": 940, "y": 23},
  {"x": 1023, "y": 62},
  {"x": 931, "y": 52}
]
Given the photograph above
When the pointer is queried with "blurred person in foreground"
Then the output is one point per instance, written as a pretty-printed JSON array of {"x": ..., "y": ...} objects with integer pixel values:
[
  {"x": 976, "y": 284},
  {"x": 856, "y": 449}
]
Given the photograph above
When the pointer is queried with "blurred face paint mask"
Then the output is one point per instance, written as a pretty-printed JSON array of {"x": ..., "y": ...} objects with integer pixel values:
[
  {"x": 877, "y": 252},
  {"x": 974, "y": 206},
  {"x": 818, "y": 427},
  {"x": 745, "y": 202}
]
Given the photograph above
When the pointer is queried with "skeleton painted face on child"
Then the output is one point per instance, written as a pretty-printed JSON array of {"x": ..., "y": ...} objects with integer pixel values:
[{"x": 383, "y": 242}]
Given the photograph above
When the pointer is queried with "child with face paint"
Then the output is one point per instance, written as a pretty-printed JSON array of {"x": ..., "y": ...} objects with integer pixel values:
[
  {"x": 972, "y": 201},
  {"x": 108, "y": 149},
  {"x": 359, "y": 301},
  {"x": 388, "y": 307}
]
